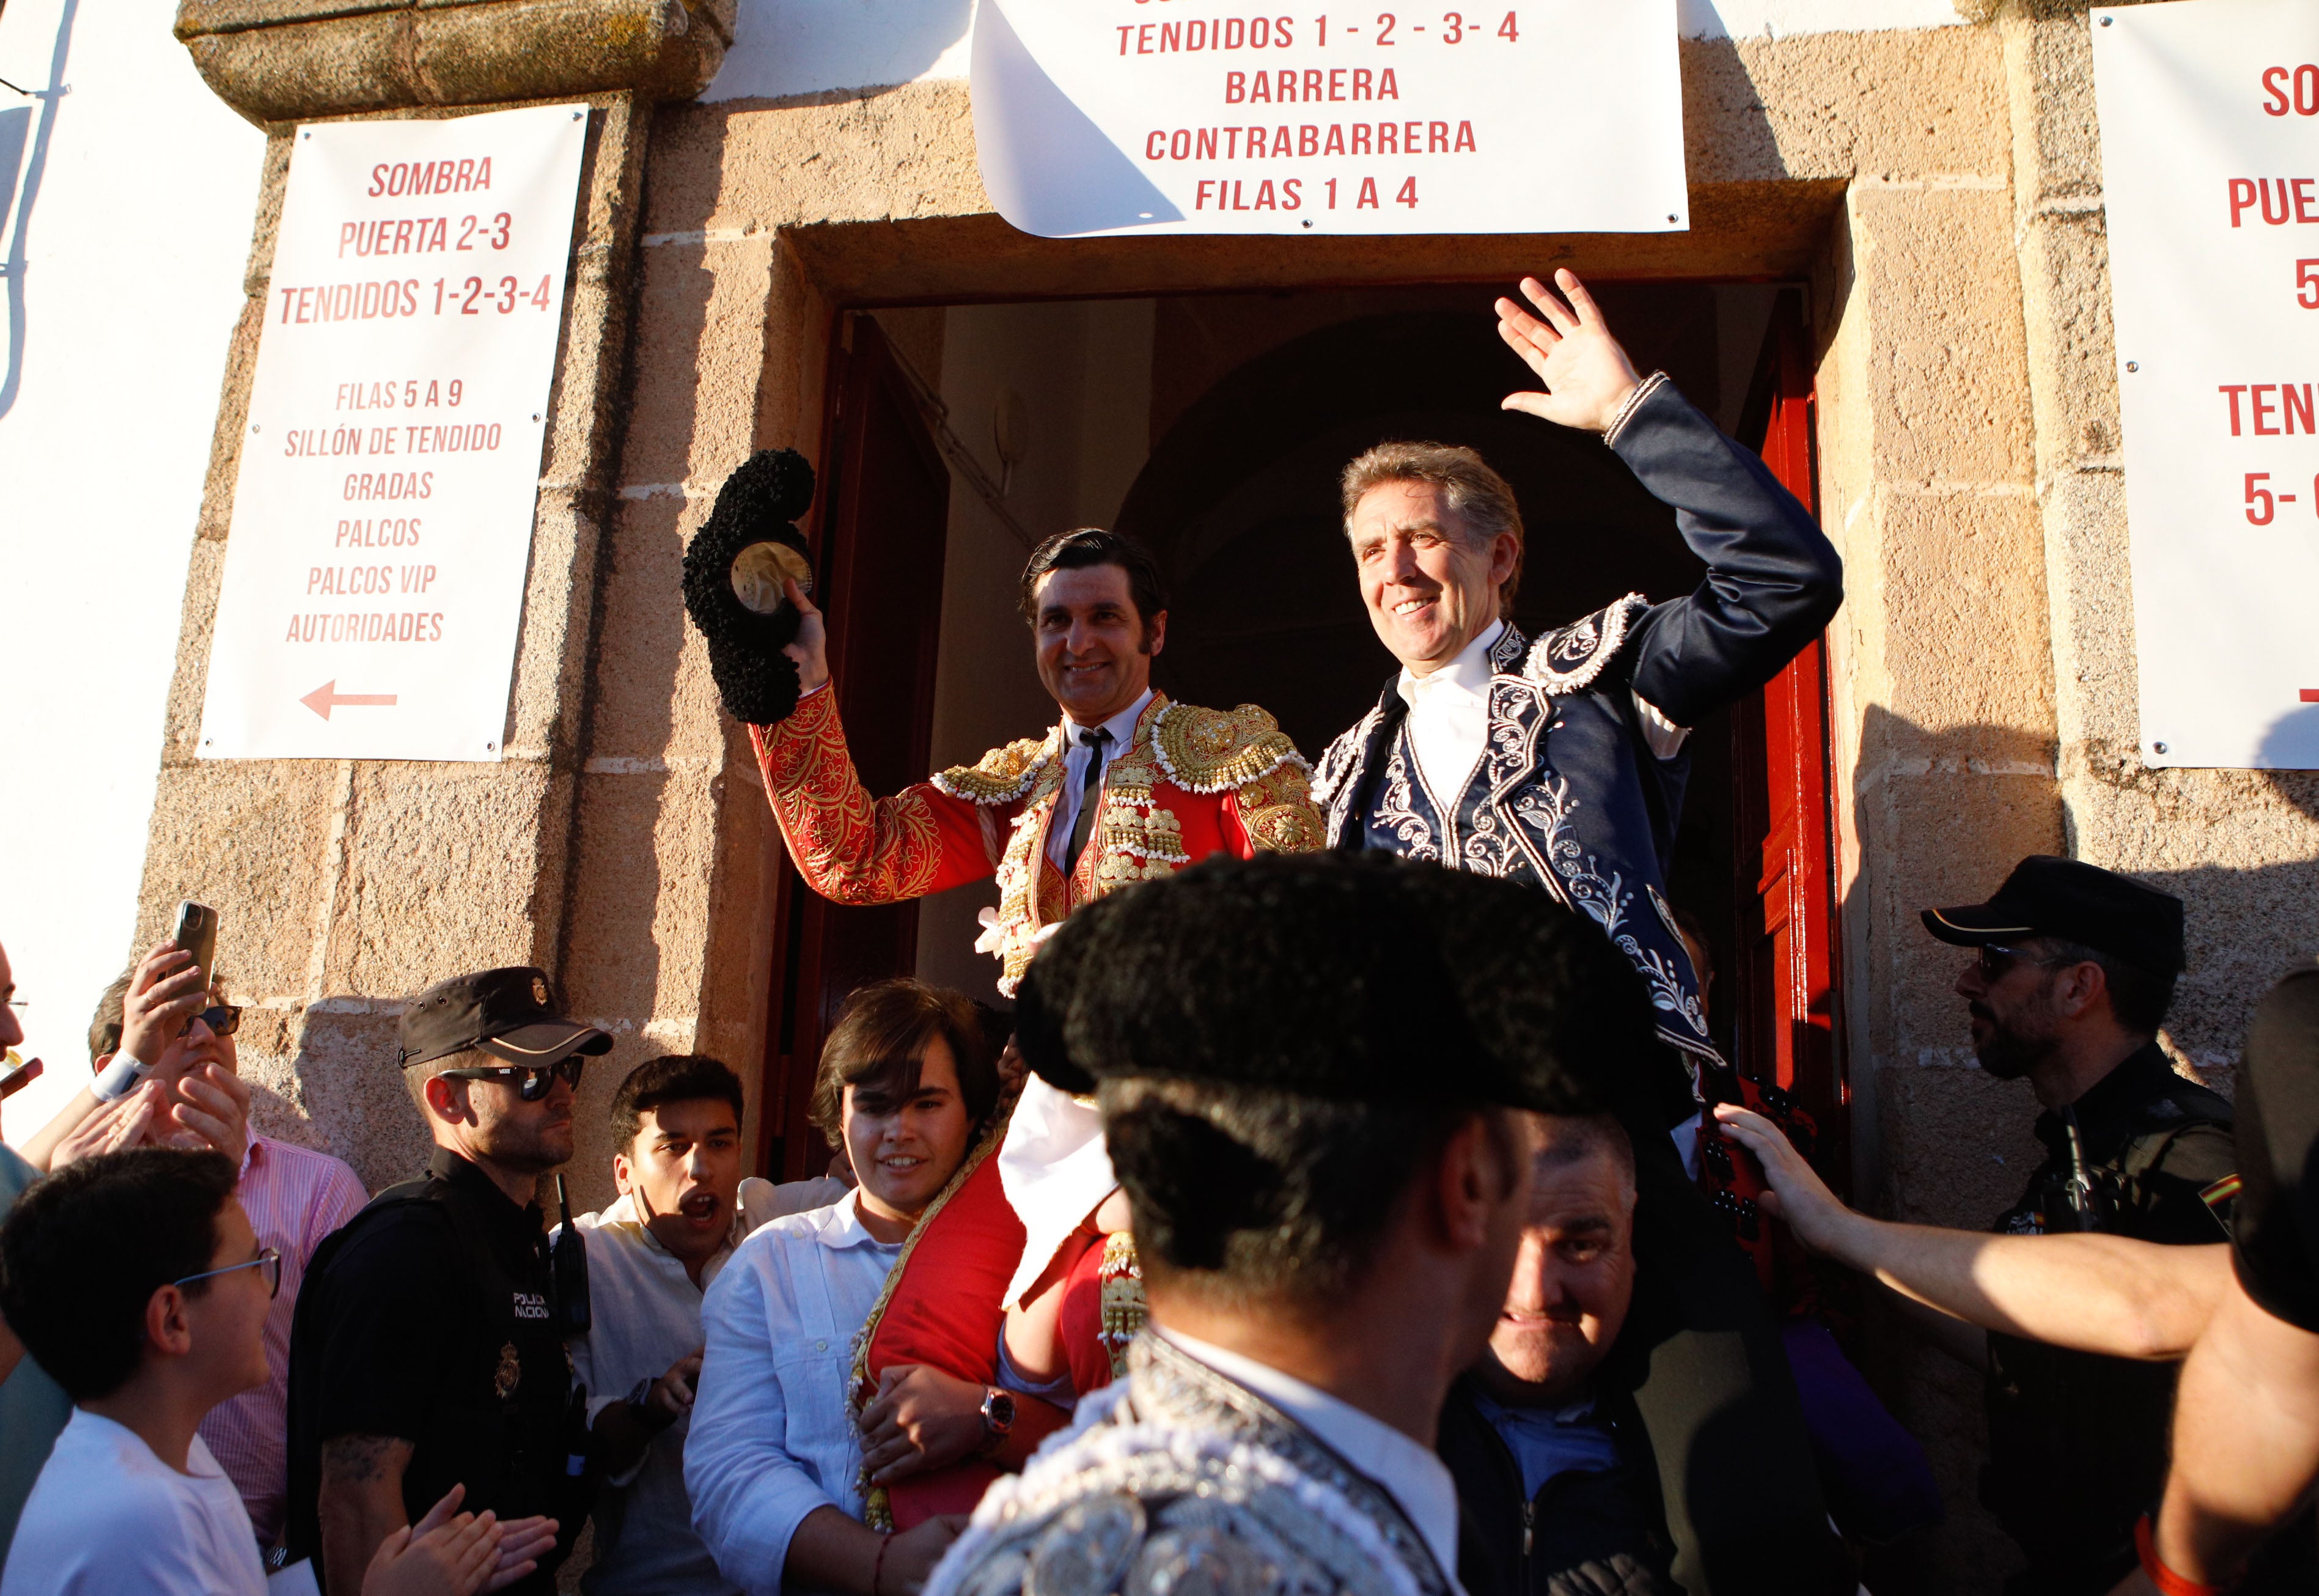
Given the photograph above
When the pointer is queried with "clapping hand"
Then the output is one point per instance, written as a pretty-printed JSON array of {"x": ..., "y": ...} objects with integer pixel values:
[
  {"x": 120, "y": 1123},
  {"x": 1587, "y": 376},
  {"x": 212, "y": 1112},
  {"x": 446, "y": 1553},
  {"x": 523, "y": 1542}
]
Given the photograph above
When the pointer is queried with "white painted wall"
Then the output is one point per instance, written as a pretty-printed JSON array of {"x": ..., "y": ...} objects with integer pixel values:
[
  {"x": 804, "y": 47},
  {"x": 125, "y": 260}
]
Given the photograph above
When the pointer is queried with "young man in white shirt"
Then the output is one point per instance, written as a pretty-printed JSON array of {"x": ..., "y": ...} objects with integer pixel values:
[
  {"x": 774, "y": 1461},
  {"x": 683, "y": 1208},
  {"x": 139, "y": 1283}
]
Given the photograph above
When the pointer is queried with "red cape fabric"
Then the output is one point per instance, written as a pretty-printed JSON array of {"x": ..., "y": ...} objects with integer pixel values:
[
  {"x": 1081, "y": 1326},
  {"x": 945, "y": 1311}
]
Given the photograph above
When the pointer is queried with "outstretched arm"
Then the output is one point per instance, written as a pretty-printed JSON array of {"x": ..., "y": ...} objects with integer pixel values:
[
  {"x": 1773, "y": 581},
  {"x": 849, "y": 847},
  {"x": 2246, "y": 1441},
  {"x": 2092, "y": 1292}
]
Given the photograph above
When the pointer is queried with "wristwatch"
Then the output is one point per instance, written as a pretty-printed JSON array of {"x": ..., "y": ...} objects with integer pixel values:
[{"x": 997, "y": 1417}]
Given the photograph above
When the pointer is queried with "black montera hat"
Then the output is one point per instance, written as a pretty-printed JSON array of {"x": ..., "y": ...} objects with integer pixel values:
[
  {"x": 2046, "y": 896},
  {"x": 1358, "y": 976},
  {"x": 508, "y": 1012}
]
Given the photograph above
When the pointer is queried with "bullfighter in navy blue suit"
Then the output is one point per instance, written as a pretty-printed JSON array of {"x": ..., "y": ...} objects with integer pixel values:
[{"x": 1560, "y": 762}]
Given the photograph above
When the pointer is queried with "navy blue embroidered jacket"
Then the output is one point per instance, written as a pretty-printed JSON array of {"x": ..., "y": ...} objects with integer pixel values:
[{"x": 1569, "y": 794}]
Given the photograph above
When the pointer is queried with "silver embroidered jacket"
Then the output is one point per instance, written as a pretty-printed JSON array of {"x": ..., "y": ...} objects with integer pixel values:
[
  {"x": 1569, "y": 793},
  {"x": 1179, "y": 1480}
]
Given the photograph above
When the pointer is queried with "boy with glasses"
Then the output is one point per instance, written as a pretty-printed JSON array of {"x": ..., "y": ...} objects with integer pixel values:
[
  {"x": 136, "y": 1278},
  {"x": 428, "y": 1342},
  {"x": 295, "y": 1195}
]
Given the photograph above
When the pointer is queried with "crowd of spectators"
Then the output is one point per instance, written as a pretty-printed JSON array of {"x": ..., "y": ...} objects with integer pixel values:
[{"x": 223, "y": 1355}]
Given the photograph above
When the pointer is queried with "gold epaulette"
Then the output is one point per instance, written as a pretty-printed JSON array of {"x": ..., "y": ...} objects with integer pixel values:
[
  {"x": 1001, "y": 776},
  {"x": 1212, "y": 751}
]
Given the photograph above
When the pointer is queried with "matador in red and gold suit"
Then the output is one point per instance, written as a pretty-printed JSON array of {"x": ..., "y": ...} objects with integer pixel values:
[{"x": 1128, "y": 786}]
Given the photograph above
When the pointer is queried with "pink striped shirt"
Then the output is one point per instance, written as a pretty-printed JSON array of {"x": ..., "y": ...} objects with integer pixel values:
[{"x": 295, "y": 1196}]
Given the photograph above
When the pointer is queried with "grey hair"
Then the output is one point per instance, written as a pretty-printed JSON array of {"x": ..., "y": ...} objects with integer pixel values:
[{"x": 1479, "y": 495}]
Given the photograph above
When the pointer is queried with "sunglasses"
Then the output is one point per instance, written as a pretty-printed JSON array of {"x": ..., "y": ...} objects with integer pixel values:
[
  {"x": 1995, "y": 960},
  {"x": 531, "y": 1081},
  {"x": 268, "y": 1259},
  {"x": 222, "y": 1019}
]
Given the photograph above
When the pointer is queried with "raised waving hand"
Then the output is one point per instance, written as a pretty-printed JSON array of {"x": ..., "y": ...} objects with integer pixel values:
[{"x": 1585, "y": 373}]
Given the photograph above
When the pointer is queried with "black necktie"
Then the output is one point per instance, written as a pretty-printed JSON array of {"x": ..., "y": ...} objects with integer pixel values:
[{"x": 1090, "y": 785}]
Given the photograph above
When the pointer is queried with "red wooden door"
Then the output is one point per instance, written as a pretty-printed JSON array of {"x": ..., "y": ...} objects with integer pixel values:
[
  {"x": 877, "y": 559},
  {"x": 1786, "y": 944}
]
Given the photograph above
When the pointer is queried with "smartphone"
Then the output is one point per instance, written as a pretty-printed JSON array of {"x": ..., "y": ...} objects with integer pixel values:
[
  {"x": 18, "y": 1076},
  {"x": 196, "y": 932}
]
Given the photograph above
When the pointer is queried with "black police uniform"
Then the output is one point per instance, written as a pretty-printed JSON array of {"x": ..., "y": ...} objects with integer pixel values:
[
  {"x": 430, "y": 1317},
  {"x": 2076, "y": 1441}
]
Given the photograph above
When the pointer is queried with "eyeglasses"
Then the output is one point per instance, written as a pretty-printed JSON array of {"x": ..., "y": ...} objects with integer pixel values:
[
  {"x": 222, "y": 1019},
  {"x": 268, "y": 1259},
  {"x": 531, "y": 1081},
  {"x": 1993, "y": 968}
]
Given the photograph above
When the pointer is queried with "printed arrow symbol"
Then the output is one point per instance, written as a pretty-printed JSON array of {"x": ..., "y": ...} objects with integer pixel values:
[{"x": 326, "y": 698}]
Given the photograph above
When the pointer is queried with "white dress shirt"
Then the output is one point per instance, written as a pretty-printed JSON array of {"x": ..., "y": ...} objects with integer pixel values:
[
  {"x": 1409, "y": 1473},
  {"x": 646, "y": 1315},
  {"x": 772, "y": 1436},
  {"x": 109, "y": 1517},
  {"x": 1075, "y": 754},
  {"x": 1450, "y": 718}
]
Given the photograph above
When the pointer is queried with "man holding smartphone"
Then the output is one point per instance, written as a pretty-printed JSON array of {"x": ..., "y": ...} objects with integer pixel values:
[
  {"x": 295, "y": 1195},
  {"x": 185, "y": 1100},
  {"x": 427, "y": 1348}
]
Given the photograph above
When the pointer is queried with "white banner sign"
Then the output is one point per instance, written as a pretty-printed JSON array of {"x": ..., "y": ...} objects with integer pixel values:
[
  {"x": 1206, "y": 116},
  {"x": 2210, "y": 176},
  {"x": 381, "y": 522}
]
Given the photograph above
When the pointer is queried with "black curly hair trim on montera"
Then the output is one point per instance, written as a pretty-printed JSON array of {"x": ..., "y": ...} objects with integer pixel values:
[
  {"x": 760, "y": 502},
  {"x": 1348, "y": 977},
  {"x": 1281, "y": 1044}
]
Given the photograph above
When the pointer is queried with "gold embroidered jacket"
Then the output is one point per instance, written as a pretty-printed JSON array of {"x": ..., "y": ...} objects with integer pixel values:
[{"x": 1192, "y": 782}]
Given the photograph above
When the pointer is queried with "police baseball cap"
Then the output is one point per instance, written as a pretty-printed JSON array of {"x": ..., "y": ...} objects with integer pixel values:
[
  {"x": 508, "y": 1012},
  {"x": 2077, "y": 902}
]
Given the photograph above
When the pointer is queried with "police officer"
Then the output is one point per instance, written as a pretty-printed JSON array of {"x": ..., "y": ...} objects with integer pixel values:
[
  {"x": 2074, "y": 969},
  {"x": 428, "y": 1345}
]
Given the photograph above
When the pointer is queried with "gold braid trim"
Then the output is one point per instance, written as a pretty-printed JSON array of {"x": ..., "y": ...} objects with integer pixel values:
[
  {"x": 875, "y": 1511},
  {"x": 1278, "y": 811},
  {"x": 1124, "y": 1310},
  {"x": 1211, "y": 751},
  {"x": 1000, "y": 776}
]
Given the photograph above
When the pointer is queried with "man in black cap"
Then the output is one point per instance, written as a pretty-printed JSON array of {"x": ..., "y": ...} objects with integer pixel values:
[
  {"x": 1312, "y": 1073},
  {"x": 428, "y": 1347},
  {"x": 2073, "y": 971}
]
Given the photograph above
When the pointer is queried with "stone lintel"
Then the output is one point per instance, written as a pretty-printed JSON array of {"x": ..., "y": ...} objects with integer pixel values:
[{"x": 287, "y": 60}]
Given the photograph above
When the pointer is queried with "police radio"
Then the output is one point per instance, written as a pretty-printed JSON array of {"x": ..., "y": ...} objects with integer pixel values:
[{"x": 568, "y": 1266}]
